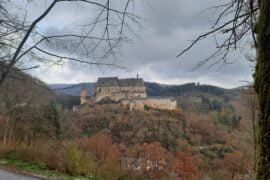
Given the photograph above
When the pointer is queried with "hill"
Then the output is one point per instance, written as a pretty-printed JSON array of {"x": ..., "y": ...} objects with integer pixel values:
[
  {"x": 189, "y": 96},
  {"x": 72, "y": 89},
  {"x": 154, "y": 89},
  {"x": 214, "y": 133},
  {"x": 211, "y": 131},
  {"x": 21, "y": 88},
  {"x": 128, "y": 127}
]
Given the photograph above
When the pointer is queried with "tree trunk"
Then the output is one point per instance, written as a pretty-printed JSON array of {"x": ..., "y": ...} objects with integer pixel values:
[
  {"x": 5, "y": 132},
  {"x": 262, "y": 88}
]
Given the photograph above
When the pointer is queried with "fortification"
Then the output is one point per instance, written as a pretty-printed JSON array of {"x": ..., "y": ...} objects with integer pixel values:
[
  {"x": 165, "y": 103},
  {"x": 131, "y": 93},
  {"x": 117, "y": 89},
  {"x": 84, "y": 98}
]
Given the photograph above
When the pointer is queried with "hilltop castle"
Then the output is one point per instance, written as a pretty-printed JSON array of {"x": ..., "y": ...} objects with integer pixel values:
[{"x": 130, "y": 93}]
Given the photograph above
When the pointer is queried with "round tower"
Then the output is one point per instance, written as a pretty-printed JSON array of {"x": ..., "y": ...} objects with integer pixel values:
[{"x": 84, "y": 95}]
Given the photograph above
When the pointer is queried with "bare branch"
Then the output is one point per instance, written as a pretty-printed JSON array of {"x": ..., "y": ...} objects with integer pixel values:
[
  {"x": 238, "y": 18},
  {"x": 86, "y": 43}
]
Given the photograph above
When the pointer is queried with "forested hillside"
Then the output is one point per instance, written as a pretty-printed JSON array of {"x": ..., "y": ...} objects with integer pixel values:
[
  {"x": 21, "y": 89},
  {"x": 214, "y": 140},
  {"x": 207, "y": 137}
]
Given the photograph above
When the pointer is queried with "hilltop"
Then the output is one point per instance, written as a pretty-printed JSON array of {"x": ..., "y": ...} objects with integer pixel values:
[
  {"x": 189, "y": 96},
  {"x": 154, "y": 89}
]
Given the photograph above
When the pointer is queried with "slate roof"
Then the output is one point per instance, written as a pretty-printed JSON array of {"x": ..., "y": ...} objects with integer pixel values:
[
  {"x": 131, "y": 82},
  {"x": 106, "y": 82},
  {"x": 114, "y": 81}
]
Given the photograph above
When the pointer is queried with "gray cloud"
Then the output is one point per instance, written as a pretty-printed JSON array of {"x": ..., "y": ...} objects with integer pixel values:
[
  {"x": 170, "y": 26},
  {"x": 170, "y": 15}
]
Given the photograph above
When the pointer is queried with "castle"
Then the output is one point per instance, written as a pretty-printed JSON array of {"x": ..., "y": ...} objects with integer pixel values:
[
  {"x": 130, "y": 93},
  {"x": 118, "y": 89}
]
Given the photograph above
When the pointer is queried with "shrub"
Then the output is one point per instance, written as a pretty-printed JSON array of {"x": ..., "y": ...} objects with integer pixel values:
[
  {"x": 76, "y": 161},
  {"x": 146, "y": 107},
  {"x": 63, "y": 157}
]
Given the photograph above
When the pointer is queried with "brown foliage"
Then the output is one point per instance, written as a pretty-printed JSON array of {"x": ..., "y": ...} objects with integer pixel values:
[
  {"x": 235, "y": 163},
  {"x": 128, "y": 127},
  {"x": 155, "y": 160},
  {"x": 185, "y": 166},
  {"x": 201, "y": 128},
  {"x": 101, "y": 147}
]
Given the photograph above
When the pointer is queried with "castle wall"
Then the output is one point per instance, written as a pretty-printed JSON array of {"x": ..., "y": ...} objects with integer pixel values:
[
  {"x": 118, "y": 93},
  {"x": 131, "y": 93},
  {"x": 168, "y": 104},
  {"x": 103, "y": 92},
  {"x": 139, "y": 104}
]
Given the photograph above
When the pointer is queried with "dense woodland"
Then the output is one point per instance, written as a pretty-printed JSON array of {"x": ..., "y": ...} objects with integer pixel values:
[{"x": 209, "y": 136}]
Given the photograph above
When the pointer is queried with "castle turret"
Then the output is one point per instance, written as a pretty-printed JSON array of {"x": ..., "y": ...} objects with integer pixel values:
[{"x": 84, "y": 95}]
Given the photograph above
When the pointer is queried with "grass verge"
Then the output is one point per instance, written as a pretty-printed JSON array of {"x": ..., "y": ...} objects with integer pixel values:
[{"x": 36, "y": 169}]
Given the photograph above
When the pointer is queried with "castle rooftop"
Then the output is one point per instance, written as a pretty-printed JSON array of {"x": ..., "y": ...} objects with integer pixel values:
[{"x": 114, "y": 81}]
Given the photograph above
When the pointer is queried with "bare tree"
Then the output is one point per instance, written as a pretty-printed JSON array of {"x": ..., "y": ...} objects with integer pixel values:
[
  {"x": 235, "y": 21},
  {"x": 239, "y": 19},
  {"x": 92, "y": 42}
]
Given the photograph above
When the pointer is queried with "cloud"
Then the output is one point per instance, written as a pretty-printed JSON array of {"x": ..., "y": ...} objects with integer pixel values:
[
  {"x": 185, "y": 14},
  {"x": 169, "y": 27}
]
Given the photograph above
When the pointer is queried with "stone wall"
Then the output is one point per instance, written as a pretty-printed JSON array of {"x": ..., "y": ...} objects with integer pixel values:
[
  {"x": 117, "y": 93},
  {"x": 130, "y": 93},
  {"x": 169, "y": 104},
  {"x": 156, "y": 103}
]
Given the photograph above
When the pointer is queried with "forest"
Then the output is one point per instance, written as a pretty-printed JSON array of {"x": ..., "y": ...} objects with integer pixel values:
[
  {"x": 208, "y": 136},
  {"x": 184, "y": 49}
]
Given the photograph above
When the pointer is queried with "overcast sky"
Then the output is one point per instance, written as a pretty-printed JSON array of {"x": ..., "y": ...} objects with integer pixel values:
[{"x": 169, "y": 27}]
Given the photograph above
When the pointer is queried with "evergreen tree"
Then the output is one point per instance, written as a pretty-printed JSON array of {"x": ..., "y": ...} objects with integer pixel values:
[{"x": 53, "y": 116}]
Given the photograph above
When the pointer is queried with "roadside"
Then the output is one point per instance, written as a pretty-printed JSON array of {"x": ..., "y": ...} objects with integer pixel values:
[
  {"x": 13, "y": 169},
  {"x": 6, "y": 174}
]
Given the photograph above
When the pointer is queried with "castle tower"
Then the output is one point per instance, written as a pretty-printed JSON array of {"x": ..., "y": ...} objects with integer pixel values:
[{"x": 83, "y": 95}]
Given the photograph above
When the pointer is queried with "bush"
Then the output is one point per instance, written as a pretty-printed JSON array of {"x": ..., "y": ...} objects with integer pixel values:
[
  {"x": 146, "y": 107},
  {"x": 76, "y": 161},
  {"x": 63, "y": 157}
]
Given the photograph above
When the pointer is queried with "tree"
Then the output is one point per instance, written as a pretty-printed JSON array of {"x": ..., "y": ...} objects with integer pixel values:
[
  {"x": 30, "y": 124},
  {"x": 102, "y": 148},
  {"x": 235, "y": 163},
  {"x": 238, "y": 19},
  {"x": 155, "y": 160},
  {"x": 185, "y": 166},
  {"x": 103, "y": 33},
  {"x": 52, "y": 115},
  {"x": 4, "y": 128},
  {"x": 262, "y": 88}
]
